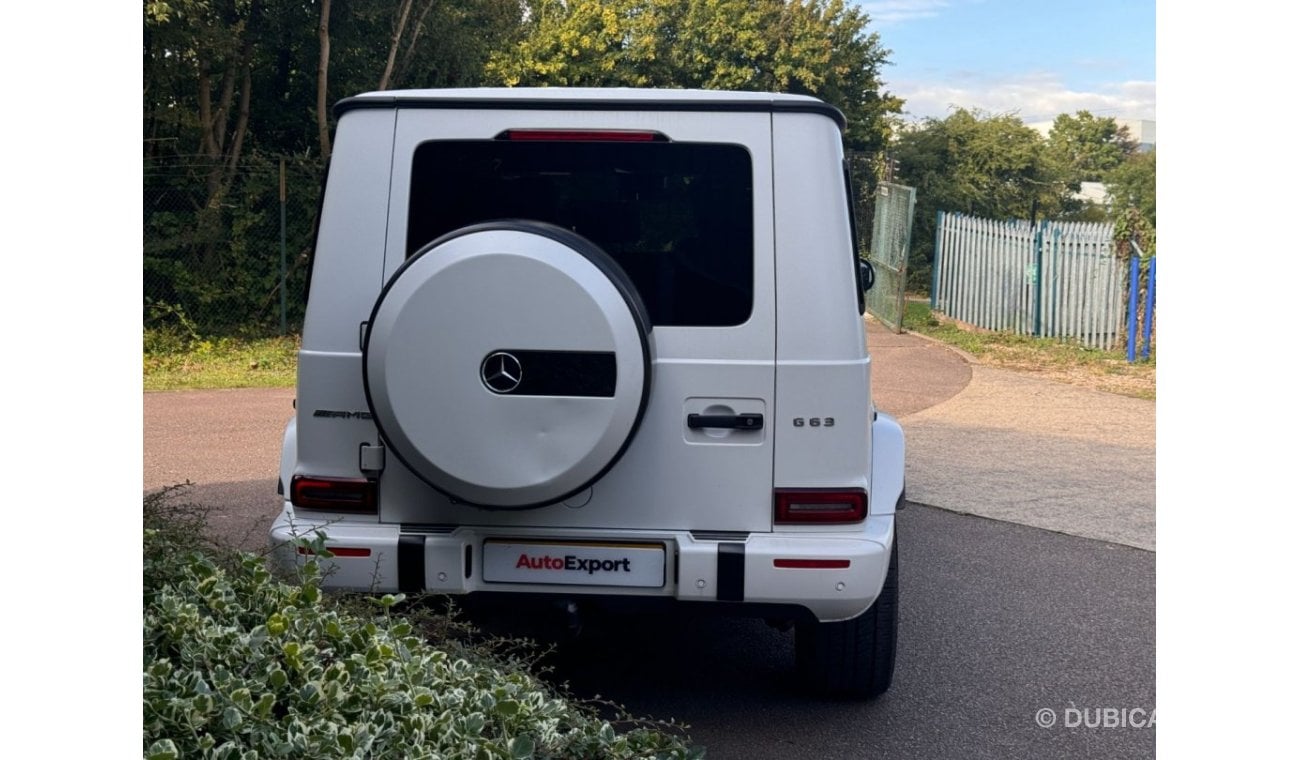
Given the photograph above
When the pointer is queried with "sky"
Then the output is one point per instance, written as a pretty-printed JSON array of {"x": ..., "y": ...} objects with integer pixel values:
[{"x": 1037, "y": 59}]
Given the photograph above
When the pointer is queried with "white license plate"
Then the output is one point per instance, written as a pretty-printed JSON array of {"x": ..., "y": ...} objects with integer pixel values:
[{"x": 579, "y": 564}]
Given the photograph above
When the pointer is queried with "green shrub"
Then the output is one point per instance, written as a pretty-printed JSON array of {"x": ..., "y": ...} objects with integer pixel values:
[{"x": 238, "y": 664}]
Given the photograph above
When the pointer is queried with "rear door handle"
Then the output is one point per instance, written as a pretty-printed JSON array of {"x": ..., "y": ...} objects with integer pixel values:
[{"x": 733, "y": 421}]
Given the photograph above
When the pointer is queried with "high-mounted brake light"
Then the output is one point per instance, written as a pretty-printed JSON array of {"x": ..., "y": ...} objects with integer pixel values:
[
  {"x": 334, "y": 494},
  {"x": 581, "y": 135},
  {"x": 820, "y": 507}
]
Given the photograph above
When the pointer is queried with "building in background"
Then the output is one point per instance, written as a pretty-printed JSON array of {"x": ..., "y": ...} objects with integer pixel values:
[{"x": 1141, "y": 130}]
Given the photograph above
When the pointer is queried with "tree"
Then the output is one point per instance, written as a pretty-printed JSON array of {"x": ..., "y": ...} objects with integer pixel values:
[
  {"x": 816, "y": 47},
  {"x": 578, "y": 42},
  {"x": 392, "y": 44},
  {"x": 980, "y": 164},
  {"x": 322, "y": 81},
  {"x": 974, "y": 163},
  {"x": 233, "y": 86},
  {"x": 1083, "y": 148},
  {"x": 210, "y": 47}
]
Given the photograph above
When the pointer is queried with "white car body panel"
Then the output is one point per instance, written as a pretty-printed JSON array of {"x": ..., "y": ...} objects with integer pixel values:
[{"x": 701, "y": 493}]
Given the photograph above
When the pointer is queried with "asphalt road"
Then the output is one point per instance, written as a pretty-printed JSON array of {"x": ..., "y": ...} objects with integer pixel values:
[{"x": 998, "y": 620}]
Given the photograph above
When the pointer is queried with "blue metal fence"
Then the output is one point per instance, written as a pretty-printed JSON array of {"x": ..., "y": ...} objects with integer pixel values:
[{"x": 1137, "y": 268}]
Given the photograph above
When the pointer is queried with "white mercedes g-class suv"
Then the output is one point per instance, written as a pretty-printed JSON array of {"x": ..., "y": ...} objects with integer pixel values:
[{"x": 597, "y": 344}]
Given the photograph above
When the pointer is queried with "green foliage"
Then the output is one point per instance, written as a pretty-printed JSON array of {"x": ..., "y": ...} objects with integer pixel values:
[
  {"x": 1132, "y": 184},
  {"x": 168, "y": 329},
  {"x": 173, "y": 528},
  {"x": 984, "y": 165},
  {"x": 577, "y": 43},
  {"x": 818, "y": 48},
  {"x": 1132, "y": 227},
  {"x": 224, "y": 273},
  {"x": 444, "y": 44},
  {"x": 1135, "y": 236},
  {"x": 1084, "y": 148},
  {"x": 211, "y": 158},
  {"x": 994, "y": 166},
  {"x": 979, "y": 164},
  {"x": 230, "y": 88},
  {"x": 177, "y": 361},
  {"x": 240, "y": 665}
]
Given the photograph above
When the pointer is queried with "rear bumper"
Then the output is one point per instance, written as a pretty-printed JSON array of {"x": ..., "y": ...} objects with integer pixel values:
[{"x": 733, "y": 571}]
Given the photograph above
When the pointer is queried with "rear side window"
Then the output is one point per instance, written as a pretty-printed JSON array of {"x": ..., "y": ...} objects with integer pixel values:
[{"x": 678, "y": 217}]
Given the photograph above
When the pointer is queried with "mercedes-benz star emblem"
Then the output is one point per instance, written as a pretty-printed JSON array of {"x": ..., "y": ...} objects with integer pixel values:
[{"x": 501, "y": 372}]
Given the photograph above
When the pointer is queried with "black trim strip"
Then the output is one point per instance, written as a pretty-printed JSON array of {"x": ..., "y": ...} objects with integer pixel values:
[
  {"x": 731, "y": 572},
  {"x": 719, "y": 535},
  {"x": 428, "y": 528},
  {"x": 592, "y": 374},
  {"x": 410, "y": 563},
  {"x": 853, "y": 234},
  {"x": 667, "y": 103}
]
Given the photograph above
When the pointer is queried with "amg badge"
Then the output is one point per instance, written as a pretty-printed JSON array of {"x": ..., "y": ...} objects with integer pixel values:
[{"x": 330, "y": 413}]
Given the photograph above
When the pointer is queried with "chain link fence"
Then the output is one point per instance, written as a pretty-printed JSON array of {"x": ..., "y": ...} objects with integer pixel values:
[
  {"x": 891, "y": 240},
  {"x": 225, "y": 252},
  {"x": 884, "y": 211}
]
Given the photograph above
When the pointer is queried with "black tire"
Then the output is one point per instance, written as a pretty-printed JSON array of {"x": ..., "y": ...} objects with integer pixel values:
[{"x": 853, "y": 658}]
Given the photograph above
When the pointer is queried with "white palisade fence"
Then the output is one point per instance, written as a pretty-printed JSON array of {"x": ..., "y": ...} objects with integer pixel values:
[{"x": 1053, "y": 279}]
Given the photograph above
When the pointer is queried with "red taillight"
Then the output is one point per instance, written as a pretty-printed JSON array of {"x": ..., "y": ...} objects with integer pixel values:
[
  {"x": 580, "y": 135},
  {"x": 821, "y": 507},
  {"x": 808, "y": 564},
  {"x": 335, "y": 494}
]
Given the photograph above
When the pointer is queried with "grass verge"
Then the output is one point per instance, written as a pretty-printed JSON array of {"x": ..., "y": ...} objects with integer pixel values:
[
  {"x": 173, "y": 364},
  {"x": 1062, "y": 361}
]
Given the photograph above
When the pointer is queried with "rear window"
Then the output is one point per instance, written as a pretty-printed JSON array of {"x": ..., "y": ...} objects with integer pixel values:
[{"x": 678, "y": 217}]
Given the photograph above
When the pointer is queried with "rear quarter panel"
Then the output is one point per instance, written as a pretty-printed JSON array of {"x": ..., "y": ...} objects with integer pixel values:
[{"x": 823, "y": 370}]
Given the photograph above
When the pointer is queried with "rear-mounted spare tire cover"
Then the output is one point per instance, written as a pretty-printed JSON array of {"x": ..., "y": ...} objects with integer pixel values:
[{"x": 507, "y": 364}]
